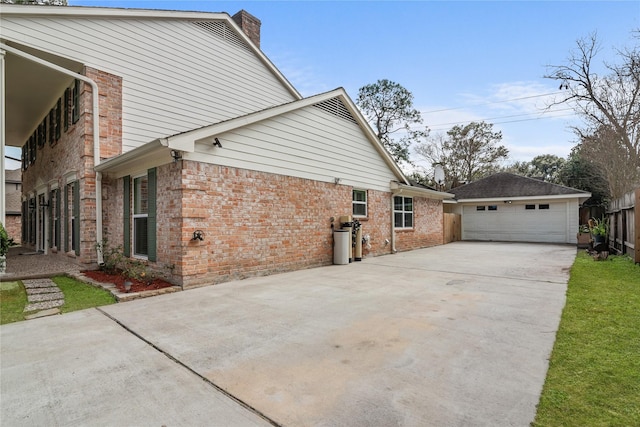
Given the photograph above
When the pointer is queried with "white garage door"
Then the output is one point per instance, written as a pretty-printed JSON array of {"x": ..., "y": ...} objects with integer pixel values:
[{"x": 539, "y": 222}]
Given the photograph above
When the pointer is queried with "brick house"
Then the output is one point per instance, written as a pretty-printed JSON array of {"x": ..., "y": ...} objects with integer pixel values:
[
  {"x": 13, "y": 210},
  {"x": 197, "y": 155}
]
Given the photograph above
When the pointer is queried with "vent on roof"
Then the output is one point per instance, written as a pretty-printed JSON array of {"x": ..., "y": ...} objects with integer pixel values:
[
  {"x": 223, "y": 31},
  {"x": 336, "y": 107}
]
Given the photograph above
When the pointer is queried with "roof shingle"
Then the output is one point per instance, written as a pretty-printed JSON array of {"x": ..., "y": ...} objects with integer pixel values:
[{"x": 509, "y": 185}]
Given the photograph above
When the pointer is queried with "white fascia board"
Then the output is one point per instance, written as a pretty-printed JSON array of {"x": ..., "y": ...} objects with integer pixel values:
[
  {"x": 152, "y": 154},
  {"x": 580, "y": 196},
  {"x": 411, "y": 191},
  {"x": 122, "y": 13}
]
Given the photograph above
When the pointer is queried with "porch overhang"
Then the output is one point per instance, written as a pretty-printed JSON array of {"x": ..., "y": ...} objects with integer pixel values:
[{"x": 398, "y": 188}]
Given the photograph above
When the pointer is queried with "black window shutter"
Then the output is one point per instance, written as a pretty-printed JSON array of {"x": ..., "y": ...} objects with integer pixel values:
[
  {"x": 66, "y": 218},
  {"x": 58, "y": 210},
  {"x": 126, "y": 202},
  {"x": 67, "y": 101},
  {"x": 151, "y": 214},
  {"x": 51, "y": 194},
  {"x": 58, "y": 120},
  {"x": 76, "y": 215},
  {"x": 75, "y": 110}
]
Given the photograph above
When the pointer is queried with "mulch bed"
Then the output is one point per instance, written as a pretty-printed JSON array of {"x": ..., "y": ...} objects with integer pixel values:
[{"x": 119, "y": 279}]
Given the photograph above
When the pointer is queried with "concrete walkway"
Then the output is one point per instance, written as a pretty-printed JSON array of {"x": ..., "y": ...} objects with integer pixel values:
[
  {"x": 456, "y": 335},
  {"x": 43, "y": 297}
]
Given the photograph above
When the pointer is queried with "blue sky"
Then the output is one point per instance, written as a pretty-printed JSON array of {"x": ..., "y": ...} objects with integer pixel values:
[{"x": 463, "y": 61}]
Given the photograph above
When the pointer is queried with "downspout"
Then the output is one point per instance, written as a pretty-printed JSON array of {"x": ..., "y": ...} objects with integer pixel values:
[
  {"x": 96, "y": 132},
  {"x": 393, "y": 223}
]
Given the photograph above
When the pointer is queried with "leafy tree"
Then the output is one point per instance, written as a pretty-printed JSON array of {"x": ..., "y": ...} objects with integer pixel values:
[
  {"x": 467, "y": 153},
  {"x": 545, "y": 167},
  {"x": 388, "y": 106},
  {"x": 580, "y": 173},
  {"x": 610, "y": 106}
]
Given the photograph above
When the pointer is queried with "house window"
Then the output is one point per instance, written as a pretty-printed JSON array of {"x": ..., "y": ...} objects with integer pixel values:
[
  {"x": 480, "y": 208},
  {"x": 359, "y": 203},
  {"x": 493, "y": 207},
  {"x": 140, "y": 215},
  {"x": 402, "y": 212},
  {"x": 529, "y": 207},
  {"x": 543, "y": 206}
]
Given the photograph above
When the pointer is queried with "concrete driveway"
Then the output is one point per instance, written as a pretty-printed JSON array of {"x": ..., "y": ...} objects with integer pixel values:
[{"x": 456, "y": 335}]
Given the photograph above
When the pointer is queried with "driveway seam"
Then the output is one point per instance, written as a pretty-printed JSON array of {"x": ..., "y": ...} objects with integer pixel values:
[
  {"x": 524, "y": 279},
  {"x": 188, "y": 368}
]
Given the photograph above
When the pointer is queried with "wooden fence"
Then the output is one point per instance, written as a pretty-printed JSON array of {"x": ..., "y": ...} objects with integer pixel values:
[
  {"x": 624, "y": 225},
  {"x": 452, "y": 227}
]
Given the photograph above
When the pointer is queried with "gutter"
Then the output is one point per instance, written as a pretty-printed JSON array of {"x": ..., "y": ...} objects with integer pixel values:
[{"x": 96, "y": 132}]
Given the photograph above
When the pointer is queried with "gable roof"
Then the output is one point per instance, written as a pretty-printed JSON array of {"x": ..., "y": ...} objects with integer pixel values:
[
  {"x": 158, "y": 151},
  {"x": 507, "y": 185}
]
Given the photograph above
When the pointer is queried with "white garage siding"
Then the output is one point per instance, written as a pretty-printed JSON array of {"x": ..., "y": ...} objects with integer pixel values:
[{"x": 513, "y": 222}]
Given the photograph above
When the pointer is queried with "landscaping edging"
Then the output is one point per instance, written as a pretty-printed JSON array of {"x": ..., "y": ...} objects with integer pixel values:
[{"x": 124, "y": 296}]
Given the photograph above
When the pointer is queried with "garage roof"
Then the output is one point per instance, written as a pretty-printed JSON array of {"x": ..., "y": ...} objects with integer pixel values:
[{"x": 509, "y": 185}]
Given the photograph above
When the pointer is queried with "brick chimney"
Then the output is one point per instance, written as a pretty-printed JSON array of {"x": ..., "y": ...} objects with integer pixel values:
[{"x": 250, "y": 25}]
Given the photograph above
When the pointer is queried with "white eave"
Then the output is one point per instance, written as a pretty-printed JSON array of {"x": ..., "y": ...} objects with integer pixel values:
[{"x": 412, "y": 191}]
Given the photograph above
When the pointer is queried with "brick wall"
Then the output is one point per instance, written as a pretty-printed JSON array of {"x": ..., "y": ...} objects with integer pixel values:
[
  {"x": 256, "y": 223},
  {"x": 428, "y": 226},
  {"x": 72, "y": 155},
  {"x": 13, "y": 225}
]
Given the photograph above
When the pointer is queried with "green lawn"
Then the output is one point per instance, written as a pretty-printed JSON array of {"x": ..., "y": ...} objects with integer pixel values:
[
  {"x": 13, "y": 299},
  {"x": 77, "y": 296},
  {"x": 594, "y": 370}
]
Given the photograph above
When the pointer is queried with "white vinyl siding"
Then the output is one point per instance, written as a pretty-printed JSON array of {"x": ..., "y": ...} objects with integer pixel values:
[
  {"x": 176, "y": 76},
  {"x": 518, "y": 222},
  {"x": 307, "y": 143}
]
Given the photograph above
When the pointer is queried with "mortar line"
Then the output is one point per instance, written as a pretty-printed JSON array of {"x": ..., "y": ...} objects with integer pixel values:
[{"x": 188, "y": 368}]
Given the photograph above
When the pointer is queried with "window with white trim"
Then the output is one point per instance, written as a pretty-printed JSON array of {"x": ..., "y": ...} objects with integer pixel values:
[
  {"x": 359, "y": 203},
  {"x": 402, "y": 212},
  {"x": 140, "y": 215}
]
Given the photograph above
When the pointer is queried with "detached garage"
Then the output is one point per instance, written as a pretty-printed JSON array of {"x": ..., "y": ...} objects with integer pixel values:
[{"x": 512, "y": 208}]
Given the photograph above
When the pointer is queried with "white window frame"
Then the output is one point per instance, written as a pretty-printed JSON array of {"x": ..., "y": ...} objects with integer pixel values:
[
  {"x": 134, "y": 246},
  {"x": 404, "y": 213},
  {"x": 355, "y": 203}
]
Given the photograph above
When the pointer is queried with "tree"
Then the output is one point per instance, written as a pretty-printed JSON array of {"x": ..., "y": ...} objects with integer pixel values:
[
  {"x": 389, "y": 108},
  {"x": 546, "y": 167},
  {"x": 582, "y": 174},
  {"x": 468, "y": 152},
  {"x": 610, "y": 106}
]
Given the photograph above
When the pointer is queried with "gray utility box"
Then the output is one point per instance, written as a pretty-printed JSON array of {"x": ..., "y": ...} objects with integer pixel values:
[{"x": 341, "y": 241}]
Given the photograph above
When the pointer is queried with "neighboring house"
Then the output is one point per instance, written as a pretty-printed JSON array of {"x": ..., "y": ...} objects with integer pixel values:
[
  {"x": 208, "y": 164},
  {"x": 13, "y": 206},
  {"x": 508, "y": 207}
]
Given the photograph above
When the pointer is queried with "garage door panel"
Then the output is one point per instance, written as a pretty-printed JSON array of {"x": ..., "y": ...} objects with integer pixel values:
[{"x": 513, "y": 222}]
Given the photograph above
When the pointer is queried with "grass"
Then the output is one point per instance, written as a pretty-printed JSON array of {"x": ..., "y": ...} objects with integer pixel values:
[
  {"x": 594, "y": 370},
  {"x": 13, "y": 299},
  {"x": 77, "y": 296}
]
